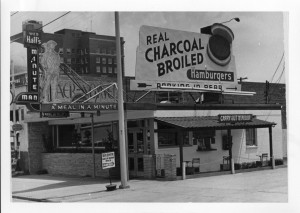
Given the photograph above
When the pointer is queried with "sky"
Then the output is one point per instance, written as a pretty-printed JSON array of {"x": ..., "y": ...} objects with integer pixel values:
[{"x": 258, "y": 45}]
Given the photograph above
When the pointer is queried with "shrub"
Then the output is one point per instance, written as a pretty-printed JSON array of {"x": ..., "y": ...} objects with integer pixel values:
[
  {"x": 42, "y": 172},
  {"x": 245, "y": 165},
  {"x": 237, "y": 166},
  {"x": 278, "y": 162}
]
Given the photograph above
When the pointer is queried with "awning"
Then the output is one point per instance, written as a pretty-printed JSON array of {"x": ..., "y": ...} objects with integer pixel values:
[{"x": 212, "y": 122}]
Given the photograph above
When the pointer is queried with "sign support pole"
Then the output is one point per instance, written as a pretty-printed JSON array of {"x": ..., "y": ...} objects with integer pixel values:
[
  {"x": 122, "y": 132},
  {"x": 93, "y": 147}
]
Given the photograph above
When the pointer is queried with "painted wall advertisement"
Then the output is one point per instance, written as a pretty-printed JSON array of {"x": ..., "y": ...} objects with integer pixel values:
[{"x": 176, "y": 58}]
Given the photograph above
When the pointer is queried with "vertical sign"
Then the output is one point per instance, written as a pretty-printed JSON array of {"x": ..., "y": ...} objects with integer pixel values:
[{"x": 33, "y": 71}]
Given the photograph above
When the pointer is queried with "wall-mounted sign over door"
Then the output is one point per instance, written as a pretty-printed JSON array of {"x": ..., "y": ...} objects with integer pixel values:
[{"x": 234, "y": 118}]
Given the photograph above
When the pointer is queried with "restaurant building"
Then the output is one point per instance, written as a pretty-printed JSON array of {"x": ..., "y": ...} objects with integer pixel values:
[{"x": 193, "y": 127}]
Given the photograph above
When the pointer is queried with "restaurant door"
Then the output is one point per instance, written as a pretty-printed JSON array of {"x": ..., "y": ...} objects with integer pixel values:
[{"x": 136, "y": 152}]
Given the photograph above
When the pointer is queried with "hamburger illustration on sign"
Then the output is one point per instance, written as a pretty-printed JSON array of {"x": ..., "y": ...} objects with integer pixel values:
[{"x": 173, "y": 59}]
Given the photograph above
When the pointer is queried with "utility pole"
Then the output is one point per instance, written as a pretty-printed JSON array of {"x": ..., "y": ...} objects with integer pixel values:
[{"x": 122, "y": 133}]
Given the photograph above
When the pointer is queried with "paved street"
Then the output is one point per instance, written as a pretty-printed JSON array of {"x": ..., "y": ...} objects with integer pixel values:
[{"x": 258, "y": 186}]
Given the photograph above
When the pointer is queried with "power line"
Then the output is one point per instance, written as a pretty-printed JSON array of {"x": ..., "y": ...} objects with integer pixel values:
[
  {"x": 277, "y": 67},
  {"x": 46, "y": 24},
  {"x": 14, "y": 13},
  {"x": 54, "y": 20}
]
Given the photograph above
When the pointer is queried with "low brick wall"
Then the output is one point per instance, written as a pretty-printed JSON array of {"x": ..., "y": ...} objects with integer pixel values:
[{"x": 77, "y": 164}]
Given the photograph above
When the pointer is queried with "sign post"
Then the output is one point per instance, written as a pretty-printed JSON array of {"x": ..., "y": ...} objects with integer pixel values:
[{"x": 108, "y": 161}]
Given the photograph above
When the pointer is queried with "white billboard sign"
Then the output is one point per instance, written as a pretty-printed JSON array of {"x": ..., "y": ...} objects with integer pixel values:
[
  {"x": 178, "y": 59},
  {"x": 108, "y": 160}
]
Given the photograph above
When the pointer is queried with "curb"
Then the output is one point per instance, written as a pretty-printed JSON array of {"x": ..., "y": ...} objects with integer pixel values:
[{"x": 31, "y": 199}]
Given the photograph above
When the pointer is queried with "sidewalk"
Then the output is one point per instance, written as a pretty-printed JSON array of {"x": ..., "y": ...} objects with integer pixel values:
[{"x": 242, "y": 187}]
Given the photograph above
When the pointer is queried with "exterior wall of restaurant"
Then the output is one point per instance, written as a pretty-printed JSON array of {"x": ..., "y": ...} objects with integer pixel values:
[
  {"x": 77, "y": 164},
  {"x": 211, "y": 160}
]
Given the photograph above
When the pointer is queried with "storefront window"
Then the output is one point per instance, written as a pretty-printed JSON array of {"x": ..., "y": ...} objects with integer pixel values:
[
  {"x": 66, "y": 135},
  {"x": 203, "y": 139},
  {"x": 80, "y": 135},
  {"x": 167, "y": 138}
]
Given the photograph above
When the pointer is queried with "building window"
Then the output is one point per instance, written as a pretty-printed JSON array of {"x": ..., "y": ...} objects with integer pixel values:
[
  {"x": 73, "y": 50},
  {"x": 114, "y": 52},
  {"x": 86, "y": 51},
  {"x": 61, "y": 50},
  {"x": 86, "y": 70},
  {"x": 81, "y": 52},
  {"x": 65, "y": 135},
  {"x": 115, "y": 60},
  {"x": 78, "y": 51},
  {"x": 61, "y": 59},
  {"x": 167, "y": 138},
  {"x": 109, "y": 60},
  {"x": 108, "y": 51},
  {"x": 73, "y": 60},
  {"x": 68, "y": 61},
  {"x": 204, "y": 139},
  {"x": 98, "y": 60},
  {"x": 103, "y": 50},
  {"x": 68, "y": 51},
  {"x": 103, "y": 69},
  {"x": 251, "y": 137},
  {"x": 103, "y": 60},
  {"x": 77, "y": 60},
  {"x": 109, "y": 69},
  {"x": 97, "y": 50},
  {"x": 98, "y": 69},
  {"x": 86, "y": 60}
]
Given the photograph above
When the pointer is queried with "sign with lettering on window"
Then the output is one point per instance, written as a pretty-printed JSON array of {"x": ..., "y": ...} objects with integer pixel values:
[
  {"x": 234, "y": 118},
  {"x": 108, "y": 160}
]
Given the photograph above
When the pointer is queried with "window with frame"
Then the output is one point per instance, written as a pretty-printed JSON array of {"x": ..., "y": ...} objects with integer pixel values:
[
  {"x": 61, "y": 59},
  {"x": 167, "y": 138},
  {"x": 110, "y": 70},
  {"x": 68, "y": 51},
  {"x": 109, "y": 60},
  {"x": 103, "y": 69},
  {"x": 69, "y": 61},
  {"x": 73, "y": 60},
  {"x": 204, "y": 139},
  {"x": 251, "y": 137},
  {"x": 73, "y": 50},
  {"x": 77, "y": 60},
  {"x": 103, "y": 60},
  {"x": 98, "y": 60},
  {"x": 103, "y": 50},
  {"x": 98, "y": 50},
  {"x": 98, "y": 69},
  {"x": 86, "y": 60}
]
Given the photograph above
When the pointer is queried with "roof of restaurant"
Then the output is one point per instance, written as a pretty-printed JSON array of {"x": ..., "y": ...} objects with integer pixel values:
[{"x": 212, "y": 122}]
